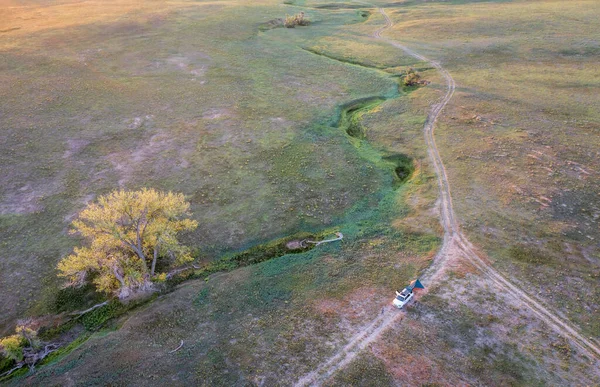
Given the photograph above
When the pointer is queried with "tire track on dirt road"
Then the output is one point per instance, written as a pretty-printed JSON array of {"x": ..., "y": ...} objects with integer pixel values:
[
  {"x": 357, "y": 344},
  {"x": 454, "y": 244}
]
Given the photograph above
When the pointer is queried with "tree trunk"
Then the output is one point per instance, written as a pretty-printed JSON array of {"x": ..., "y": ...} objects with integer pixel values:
[
  {"x": 139, "y": 237},
  {"x": 154, "y": 260},
  {"x": 119, "y": 277},
  {"x": 79, "y": 314},
  {"x": 138, "y": 252}
]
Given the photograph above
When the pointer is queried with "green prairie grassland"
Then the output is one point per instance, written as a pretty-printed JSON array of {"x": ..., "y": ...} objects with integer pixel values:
[{"x": 252, "y": 123}]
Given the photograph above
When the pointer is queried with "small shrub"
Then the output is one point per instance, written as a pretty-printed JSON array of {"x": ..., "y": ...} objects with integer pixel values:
[
  {"x": 26, "y": 331},
  {"x": 295, "y": 20},
  {"x": 271, "y": 24},
  {"x": 160, "y": 278},
  {"x": 25, "y": 337},
  {"x": 403, "y": 166},
  {"x": 529, "y": 255},
  {"x": 74, "y": 298},
  {"x": 48, "y": 333},
  {"x": 412, "y": 77}
]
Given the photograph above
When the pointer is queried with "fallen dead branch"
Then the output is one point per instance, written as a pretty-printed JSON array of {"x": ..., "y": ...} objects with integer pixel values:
[
  {"x": 178, "y": 348},
  {"x": 339, "y": 237},
  {"x": 18, "y": 367},
  {"x": 79, "y": 314},
  {"x": 177, "y": 271}
]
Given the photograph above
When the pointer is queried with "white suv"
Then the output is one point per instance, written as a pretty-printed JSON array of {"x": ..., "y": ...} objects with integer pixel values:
[{"x": 402, "y": 298}]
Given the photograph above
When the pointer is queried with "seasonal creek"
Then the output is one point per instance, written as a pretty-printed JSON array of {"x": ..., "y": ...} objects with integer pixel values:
[{"x": 350, "y": 121}]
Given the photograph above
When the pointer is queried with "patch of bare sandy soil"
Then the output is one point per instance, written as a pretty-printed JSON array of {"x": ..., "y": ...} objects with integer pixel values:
[
  {"x": 352, "y": 311},
  {"x": 153, "y": 151},
  {"x": 74, "y": 146},
  {"x": 194, "y": 65},
  {"x": 215, "y": 114},
  {"x": 20, "y": 194},
  {"x": 22, "y": 200}
]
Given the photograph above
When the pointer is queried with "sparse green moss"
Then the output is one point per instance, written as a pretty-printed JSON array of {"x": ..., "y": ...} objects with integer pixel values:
[
  {"x": 365, "y": 371},
  {"x": 529, "y": 255}
]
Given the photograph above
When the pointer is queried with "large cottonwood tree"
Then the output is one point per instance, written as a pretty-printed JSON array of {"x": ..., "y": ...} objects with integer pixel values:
[{"x": 127, "y": 233}]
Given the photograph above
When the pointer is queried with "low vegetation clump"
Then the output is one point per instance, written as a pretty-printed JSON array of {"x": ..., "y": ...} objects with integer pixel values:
[
  {"x": 412, "y": 78},
  {"x": 271, "y": 24},
  {"x": 25, "y": 337},
  {"x": 127, "y": 233},
  {"x": 298, "y": 19},
  {"x": 12, "y": 347}
]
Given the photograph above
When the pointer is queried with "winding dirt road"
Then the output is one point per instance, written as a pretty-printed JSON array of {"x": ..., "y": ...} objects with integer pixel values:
[{"x": 455, "y": 243}]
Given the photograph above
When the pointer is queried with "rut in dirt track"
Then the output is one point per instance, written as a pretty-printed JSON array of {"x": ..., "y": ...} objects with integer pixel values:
[{"x": 454, "y": 243}]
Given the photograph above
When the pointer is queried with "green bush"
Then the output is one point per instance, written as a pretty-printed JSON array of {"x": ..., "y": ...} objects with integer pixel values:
[
  {"x": 74, "y": 298},
  {"x": 403, "y": 166},
  {"x": 49, "y": 333},
  {"x": 12, "y": 347},
  {"x": 94, "y": 319},
  {"x": 529, "y": 255}
]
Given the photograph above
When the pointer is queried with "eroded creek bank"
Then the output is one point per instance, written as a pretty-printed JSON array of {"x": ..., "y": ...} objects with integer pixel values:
[{"x": 351, "y": 122}]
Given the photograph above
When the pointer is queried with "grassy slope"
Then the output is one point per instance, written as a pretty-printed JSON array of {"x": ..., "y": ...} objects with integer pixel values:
[{"x": 520, "y": 138}]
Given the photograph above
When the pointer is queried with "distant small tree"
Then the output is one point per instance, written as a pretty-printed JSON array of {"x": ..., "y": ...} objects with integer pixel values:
[
  {"x": 13, "y": 346},
  {"x": 127, "y": 232},
  {"x": 412, "y": 77},
  {"x": 296, "y": 20}
]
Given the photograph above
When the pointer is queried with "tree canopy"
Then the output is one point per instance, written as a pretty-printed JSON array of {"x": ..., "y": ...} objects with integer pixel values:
[{"x": 127, "y": 232}]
